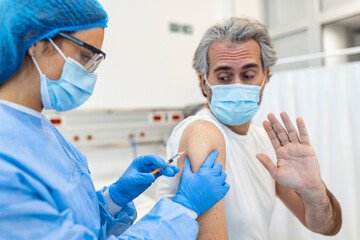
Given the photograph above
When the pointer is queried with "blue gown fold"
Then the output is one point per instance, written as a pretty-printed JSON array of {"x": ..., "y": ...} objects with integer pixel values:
[{"x": 46, "y": 191}]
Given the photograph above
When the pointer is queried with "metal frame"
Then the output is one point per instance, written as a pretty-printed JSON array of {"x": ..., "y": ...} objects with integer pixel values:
[
  {"x": 82, "y": 44},
  {"x": 319, "y": 55}
]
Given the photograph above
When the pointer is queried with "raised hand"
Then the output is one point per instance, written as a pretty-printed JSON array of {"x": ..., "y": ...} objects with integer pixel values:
[{"x": 297, "y": 165}]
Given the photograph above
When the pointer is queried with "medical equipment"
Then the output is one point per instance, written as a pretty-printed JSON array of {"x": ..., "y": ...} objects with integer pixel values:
[
  {"x": 89, "y": 56},
  {"x": 235, "y": 104},
  {"x": 74, "y": 87},
  {"x": 137, "y": 178},
  {"x": 57, "y": 198},
  {"x": 169, "y": 161}
]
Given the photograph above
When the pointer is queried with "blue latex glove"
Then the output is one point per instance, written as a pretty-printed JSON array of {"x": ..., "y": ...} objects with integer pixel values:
[
  {"x": 202, "y": 190},
  {"x": 137, "y": 178}
]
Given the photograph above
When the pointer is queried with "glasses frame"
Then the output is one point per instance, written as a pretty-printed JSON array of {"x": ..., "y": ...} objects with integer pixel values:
[{"x": 82, "y": 44}]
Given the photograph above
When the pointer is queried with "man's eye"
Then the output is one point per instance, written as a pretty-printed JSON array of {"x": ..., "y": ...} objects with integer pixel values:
[
  {"x": 224, "y": 78},
  {"x": 248, "y": 77}
]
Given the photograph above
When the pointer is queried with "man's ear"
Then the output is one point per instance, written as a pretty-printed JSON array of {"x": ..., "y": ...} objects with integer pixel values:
[
  {"x": 267, "y": 74},
  {"x": 203, "y": 83}
]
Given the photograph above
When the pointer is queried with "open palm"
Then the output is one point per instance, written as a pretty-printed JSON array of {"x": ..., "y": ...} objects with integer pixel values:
[{"x": 297, "y": 165}]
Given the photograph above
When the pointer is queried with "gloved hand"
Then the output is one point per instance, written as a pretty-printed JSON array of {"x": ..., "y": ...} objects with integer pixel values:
[
  {"x": 202, "y": 190},
  {"x": 137, "y": 178}
]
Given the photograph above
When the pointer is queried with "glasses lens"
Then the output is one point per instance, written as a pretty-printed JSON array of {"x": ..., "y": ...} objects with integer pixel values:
[
  {"x": 94, "y": 63},
  {"x": 89, "y": 59}
]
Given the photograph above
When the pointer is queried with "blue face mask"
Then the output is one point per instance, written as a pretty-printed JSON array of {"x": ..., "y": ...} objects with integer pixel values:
[
  {"x": 234, "y": 104},
  {"x": 74, "y": 87}
]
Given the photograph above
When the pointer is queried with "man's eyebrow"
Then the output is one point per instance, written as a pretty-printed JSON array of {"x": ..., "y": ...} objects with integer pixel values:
[
  {"x": 222, "y": 68},
  {"x": 250, "y": 65},
  {"x": 227, "y": 68}
]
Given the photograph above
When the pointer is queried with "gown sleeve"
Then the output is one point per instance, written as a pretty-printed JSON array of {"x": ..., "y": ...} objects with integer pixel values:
[
  {"x": 166, "y": 220},
  {"x": 28, "y": 211},
  {"x": 121, "y": 222}
]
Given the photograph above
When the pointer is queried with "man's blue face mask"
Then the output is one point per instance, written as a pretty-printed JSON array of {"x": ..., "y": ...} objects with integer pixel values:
[
  {"x": 74, "y": 87},
  {"x": 234, "y": 104}
]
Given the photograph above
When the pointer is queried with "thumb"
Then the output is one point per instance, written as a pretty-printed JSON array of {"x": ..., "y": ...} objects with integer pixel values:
[
  {"x": 268, "y": 164},
  {"x": 210, "y": 160},
  {"x": 187, "y": 167}
]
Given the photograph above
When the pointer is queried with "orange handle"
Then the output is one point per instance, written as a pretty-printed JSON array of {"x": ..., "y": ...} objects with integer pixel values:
[{"x": 158, "y": 169}]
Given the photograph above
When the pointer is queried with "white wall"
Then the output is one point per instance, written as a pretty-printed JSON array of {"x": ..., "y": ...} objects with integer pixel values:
[
  {"x": 253, "y": 8},
  {"x": 146, "y": 65}
]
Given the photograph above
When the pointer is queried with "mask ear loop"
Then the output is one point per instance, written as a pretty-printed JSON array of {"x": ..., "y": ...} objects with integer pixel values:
[
  {"x": 206, "y": 81},
  {"x": 65, "y": 58},
  {"x": 36, "y": 65},
  {"x": 57, "y": 48},
  {"x": 45, "y": 99},
  {"x": 208, "y": 84},
  {"x": 263, "y": 83}
]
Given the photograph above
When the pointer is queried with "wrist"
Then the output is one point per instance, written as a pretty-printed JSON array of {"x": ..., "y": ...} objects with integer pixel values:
[
  {"x": 118, "y": 197},
  {"x": 111, "y": 206},
  {"x": 190, "y": 212},
  {"x": 183, "y": 201},
  {"x": 309, "y": 195}
]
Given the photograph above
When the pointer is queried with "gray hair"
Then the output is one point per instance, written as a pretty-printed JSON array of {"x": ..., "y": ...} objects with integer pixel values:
[{"x": 235, "y": 30}]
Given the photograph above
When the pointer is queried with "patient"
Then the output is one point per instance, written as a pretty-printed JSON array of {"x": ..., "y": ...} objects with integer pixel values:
[{"x": 233, "y": 62}]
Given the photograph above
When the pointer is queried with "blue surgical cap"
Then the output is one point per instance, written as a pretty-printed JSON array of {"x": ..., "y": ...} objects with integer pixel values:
[{"x": 24, "y": 22}]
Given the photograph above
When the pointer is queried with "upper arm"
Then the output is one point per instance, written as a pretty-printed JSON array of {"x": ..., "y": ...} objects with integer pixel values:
[{"x": 198, "y": 141}]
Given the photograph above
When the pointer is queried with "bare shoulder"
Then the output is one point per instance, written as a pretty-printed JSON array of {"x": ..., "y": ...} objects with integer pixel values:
[
  {"x": 199, "y": 139},
  {"x": 203, "y": 132}
]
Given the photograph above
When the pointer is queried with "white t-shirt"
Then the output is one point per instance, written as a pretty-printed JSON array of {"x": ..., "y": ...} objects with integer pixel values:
[{"x": 251, "y": 198}]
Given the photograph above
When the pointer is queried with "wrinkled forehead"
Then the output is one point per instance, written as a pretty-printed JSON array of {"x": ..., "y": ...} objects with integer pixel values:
[{"x": 234, "y": 55}]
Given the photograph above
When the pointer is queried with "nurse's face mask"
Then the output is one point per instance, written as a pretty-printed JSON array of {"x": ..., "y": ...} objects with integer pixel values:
[
  {"x": 77, "y": 81},
  {"x": 234, "y": 104}
]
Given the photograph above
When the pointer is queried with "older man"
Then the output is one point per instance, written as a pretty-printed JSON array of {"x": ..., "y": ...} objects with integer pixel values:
[{"x": 233, "y": 62}]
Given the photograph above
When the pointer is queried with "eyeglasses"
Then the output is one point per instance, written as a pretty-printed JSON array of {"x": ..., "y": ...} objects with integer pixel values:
[{"x": 89, "y": 56}]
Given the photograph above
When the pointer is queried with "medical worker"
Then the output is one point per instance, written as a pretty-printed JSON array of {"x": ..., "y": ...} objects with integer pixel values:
[{"x": 49, "y": 50}]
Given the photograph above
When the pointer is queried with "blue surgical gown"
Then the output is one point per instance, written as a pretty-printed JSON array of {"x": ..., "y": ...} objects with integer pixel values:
[{"x": 46, "y": 191}]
